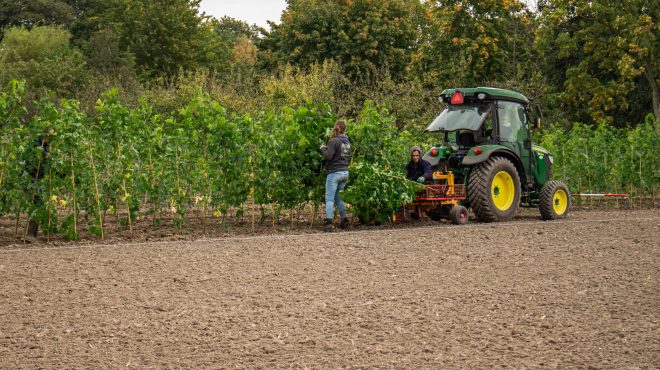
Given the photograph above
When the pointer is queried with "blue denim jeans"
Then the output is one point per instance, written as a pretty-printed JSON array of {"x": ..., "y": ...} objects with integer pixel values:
[{"x": 334, "y": 183}]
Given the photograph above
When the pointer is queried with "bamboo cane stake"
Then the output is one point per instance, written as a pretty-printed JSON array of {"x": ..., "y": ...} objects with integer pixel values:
[
  {"x": 153, "y": 187},
  {"x": 96, "y": 190},
  {"x": 73, "y": 192},
  {"x": 18, "y": 219},
  {"x": 123, "y": 182},
  {"x": 252, "y": 190},
  {"x": 178, "y": 185},
  {"x": 27, "y": 222},
  {"x": 50, "y": 193}
]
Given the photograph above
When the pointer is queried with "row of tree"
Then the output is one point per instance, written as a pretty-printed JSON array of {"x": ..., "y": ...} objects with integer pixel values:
[
  {"x": 72, "y": 172},
  {"x": 584, "y": 60},
  {"x": 124, "y": 164}
]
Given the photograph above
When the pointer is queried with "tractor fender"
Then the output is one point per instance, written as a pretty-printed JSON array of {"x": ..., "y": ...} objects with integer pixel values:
[
  {"x": 432, "y": 160},
  {"x": 499, "y": 151},
  {"x": 476, "y": 159}
]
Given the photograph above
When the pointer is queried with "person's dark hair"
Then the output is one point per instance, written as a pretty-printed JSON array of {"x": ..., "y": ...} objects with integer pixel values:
[{"x": 340, "y": 128}]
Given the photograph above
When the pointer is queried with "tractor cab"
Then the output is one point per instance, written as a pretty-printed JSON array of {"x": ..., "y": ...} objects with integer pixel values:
[{"x": 486, "y": 150}]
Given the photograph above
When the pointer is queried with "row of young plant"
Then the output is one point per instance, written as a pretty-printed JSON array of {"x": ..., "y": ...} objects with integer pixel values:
[
  {"x": 607, "y": 159},
  {"x": 124, "y": 164}
]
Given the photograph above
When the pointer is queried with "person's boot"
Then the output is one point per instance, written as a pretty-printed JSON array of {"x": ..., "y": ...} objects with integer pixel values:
[
  {"x": 33, "y": 229},
  {"x": 345, "y": 224},
  {"x": 327, "y": 224}
]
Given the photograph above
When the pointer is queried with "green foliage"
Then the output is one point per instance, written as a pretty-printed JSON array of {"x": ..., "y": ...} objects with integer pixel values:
[
  {"x": 467, "y": 43},
  {"x": 14, "y": 143},
  {"x": 607, "y": 159},
  {"x": 136, "y": 163},
  {"x": 166, "y": 36},
  {"x": 104, "y": 53},
  {"x": 377, "y": 187},
  {"x": 30, "y": 13},
  {"x": 110, "y": 67},
  {"x": 42, "y": 56},
  {"x": 213, "y": 152},
  {"x": 236, "y": 97},
  {"x": 362, "y": 35},
  {"x": 289, "y": 170},
  {"x": 230, "y": 30},
  {"x": 586, "y": 61},
  {"x": 375, "y": 194},
  {"x": 295, "y": 87},
  {"x": 603, "y": 56},
  {"x": 376, "y": 140}
]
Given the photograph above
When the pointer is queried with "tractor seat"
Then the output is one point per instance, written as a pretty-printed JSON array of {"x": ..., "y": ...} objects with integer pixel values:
[
  {"x": 470, "y": 138},
  {"x": 466, "y": 139}
]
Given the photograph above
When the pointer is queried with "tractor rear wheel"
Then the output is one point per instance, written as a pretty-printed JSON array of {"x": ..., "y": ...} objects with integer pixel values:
[
  {"x": 494, "y": 190},
  {"x": 555, "y": 200}
]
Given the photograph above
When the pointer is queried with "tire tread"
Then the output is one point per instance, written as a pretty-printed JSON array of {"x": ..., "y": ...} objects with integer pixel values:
[
  {"x": 478, "y": 192},
  {"x": 545, "y": 200}
]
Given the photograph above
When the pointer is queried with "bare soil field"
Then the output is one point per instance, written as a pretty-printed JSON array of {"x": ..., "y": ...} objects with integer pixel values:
[{"x": 582, "y": 293}]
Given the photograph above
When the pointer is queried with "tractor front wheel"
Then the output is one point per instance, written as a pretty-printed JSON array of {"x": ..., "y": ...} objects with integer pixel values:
[
  {"x": 494, "y": 190},
  {"x": 555, "y": 200}
]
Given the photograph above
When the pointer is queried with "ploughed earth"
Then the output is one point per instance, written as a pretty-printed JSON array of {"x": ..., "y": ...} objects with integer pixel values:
[{"x": 582, "y": 292}]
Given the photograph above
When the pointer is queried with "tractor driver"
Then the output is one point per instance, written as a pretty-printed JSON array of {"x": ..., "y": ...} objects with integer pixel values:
[{"x": 418, "y": 169}]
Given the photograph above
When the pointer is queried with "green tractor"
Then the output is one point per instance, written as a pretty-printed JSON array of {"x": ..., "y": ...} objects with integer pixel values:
[{"x": 487, "y": 161}]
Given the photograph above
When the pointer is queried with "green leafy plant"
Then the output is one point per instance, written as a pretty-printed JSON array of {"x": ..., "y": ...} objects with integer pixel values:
[{"x": 375, "y": 194}]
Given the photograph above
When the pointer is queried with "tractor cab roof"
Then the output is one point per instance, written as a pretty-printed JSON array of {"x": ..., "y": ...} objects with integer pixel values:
[{"x": 490, "y": 93}]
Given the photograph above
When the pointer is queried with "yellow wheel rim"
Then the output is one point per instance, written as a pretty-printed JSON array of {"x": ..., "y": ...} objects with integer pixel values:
[
  {"x": 503, "y": 191},
  {"x": 560, "y": 202}
]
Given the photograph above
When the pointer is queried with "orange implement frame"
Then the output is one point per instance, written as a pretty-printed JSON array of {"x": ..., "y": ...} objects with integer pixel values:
[
  {"x": 441, "y": 193},
  {"x": 444, "y": 193}
]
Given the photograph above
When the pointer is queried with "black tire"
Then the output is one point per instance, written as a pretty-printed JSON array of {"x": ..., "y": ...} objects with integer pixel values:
[
  {"x": 437, "y": 213},
  {"x": 554, "y": 201},
  {"x": 459, "y": 215},
  {"x": 483, "y": 196}
]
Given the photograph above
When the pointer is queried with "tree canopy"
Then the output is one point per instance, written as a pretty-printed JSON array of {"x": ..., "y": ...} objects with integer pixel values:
[
  {"x": 602, "y": 55},
  {"x": 30, "y": 13},
  {"x": 588, "y": 61},
  {"x": 470, "y": 42},
  {"x": 43, "y": 57},
  {"x": 362, "y": 35}
]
